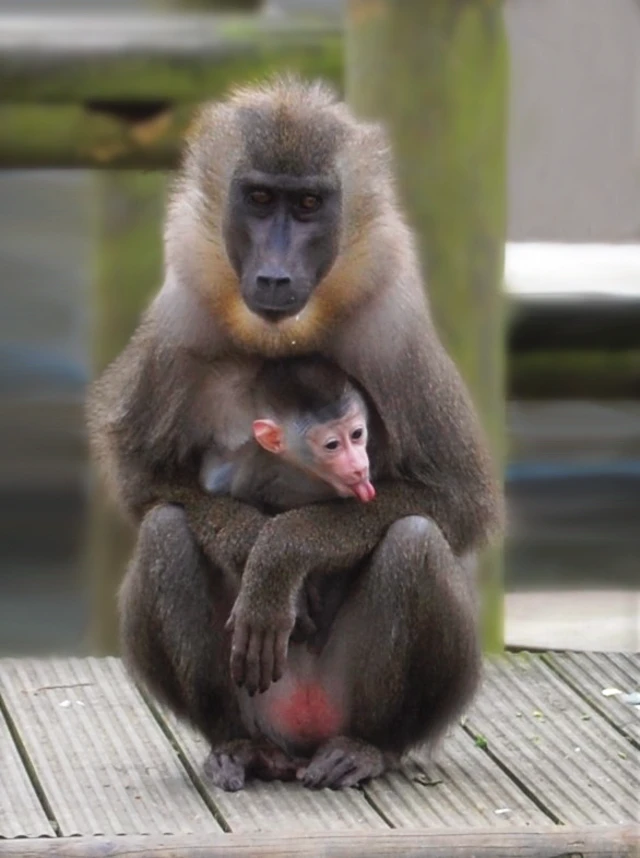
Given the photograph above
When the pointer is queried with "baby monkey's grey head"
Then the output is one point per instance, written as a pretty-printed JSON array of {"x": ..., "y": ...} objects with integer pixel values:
[{"x": 318, "y": 423}]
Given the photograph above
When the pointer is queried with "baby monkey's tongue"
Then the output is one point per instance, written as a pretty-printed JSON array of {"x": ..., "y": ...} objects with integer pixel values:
[{"x": 364, "y": 491}]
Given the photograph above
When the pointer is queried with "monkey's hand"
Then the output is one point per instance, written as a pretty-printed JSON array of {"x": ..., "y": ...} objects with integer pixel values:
[{"x": 260, "y": 639}]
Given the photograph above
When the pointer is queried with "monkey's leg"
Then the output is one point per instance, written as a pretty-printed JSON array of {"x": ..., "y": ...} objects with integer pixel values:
[
  {"x": 408, "y": 642},
  {"x": 173, "y": 608}
]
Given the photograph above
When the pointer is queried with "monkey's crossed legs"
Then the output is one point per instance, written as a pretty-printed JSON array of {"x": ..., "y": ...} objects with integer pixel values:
[{"x": 412, "y": 605}]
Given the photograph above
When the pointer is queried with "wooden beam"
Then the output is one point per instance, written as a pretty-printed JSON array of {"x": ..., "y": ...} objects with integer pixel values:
[
  {"x": 614, "y": 841},
  {"x": 73, "y": 135},
  {"x": 173, "y": 57}
]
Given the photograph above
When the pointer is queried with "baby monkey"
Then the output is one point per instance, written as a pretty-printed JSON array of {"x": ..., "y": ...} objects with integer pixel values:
[{"x": 309, "y": 443}]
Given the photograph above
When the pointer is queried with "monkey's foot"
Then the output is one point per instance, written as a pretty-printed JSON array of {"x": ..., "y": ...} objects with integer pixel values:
[
  {"x": 342, "y": 762},
  {"x": 230, "y": 763}
]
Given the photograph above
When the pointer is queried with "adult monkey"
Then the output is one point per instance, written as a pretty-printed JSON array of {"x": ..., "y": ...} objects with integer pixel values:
[{"x": 284, "y": 237}]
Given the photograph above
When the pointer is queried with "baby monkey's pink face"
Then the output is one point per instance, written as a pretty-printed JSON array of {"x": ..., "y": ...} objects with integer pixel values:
[
  {"x": 339, "y": 455},
  {"x": 334, "y": 451}
]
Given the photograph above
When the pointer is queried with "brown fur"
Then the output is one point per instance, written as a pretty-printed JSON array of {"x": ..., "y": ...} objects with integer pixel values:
[{"x": 195, "y": 354}]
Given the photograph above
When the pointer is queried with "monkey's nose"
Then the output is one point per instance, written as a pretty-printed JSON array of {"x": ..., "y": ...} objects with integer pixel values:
[
  {"x": 272, "y": 284},
  {"x": 274, "y": 293}
]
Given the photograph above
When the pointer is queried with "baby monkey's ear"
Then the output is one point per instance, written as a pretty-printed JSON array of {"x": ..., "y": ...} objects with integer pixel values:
[{"x": 269, "y": 435}]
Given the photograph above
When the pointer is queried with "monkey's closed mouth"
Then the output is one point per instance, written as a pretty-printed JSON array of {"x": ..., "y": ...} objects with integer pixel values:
[{"x": 275, "y": 316}]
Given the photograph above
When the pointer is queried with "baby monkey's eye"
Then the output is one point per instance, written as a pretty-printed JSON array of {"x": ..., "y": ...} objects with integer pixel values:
[
  {"x": 332, "y": 445},
  {"x": 260, "y": 197},
  {"x": 357, "y": 434}
]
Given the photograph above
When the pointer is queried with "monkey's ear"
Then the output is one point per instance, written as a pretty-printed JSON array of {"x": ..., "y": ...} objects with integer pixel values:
[{"x": 269, "y": 435}]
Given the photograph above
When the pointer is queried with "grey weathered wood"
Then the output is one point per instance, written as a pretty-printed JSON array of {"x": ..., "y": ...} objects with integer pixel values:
[
  {"x": 590, "y": 673},
  {"x": 562, "y": 842},
  {"x": 277, "y": 807},
  {"x": 102, "y": 760},
  {"x": 66, "y": 57},
  {"x": 21, "y": 814},
  {"x": 463, "y": 788},
  {"x": 582, "y": 771},
  {"x": 106, "y": 765}
]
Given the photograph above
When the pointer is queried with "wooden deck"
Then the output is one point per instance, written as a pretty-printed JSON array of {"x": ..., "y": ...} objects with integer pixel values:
[{"x": 544, "y": 764}]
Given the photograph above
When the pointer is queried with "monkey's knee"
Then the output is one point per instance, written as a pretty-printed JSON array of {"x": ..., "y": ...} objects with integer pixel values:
[
  {"x": 164, "y": 537},
  {"x": 409, "y": 542},
  {"x": 163, "y": 547},
  {"x": 162, "y": 521},
  {"x": 413, "y": 528}
]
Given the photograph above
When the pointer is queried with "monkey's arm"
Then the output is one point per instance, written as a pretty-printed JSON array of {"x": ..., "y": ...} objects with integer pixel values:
[
  {"x": 328, "y": 537},
  {"x": 224, "y": 528},
  {"x": 135, "y": 414}
]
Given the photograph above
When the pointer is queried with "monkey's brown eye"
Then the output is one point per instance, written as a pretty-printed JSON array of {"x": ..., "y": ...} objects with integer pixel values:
[
  {"x": 331, "y": 445},
  {"x": 309, "y": 202},
  {"x": 260, "y": 197},
  {"x": 357, "y": 434}
]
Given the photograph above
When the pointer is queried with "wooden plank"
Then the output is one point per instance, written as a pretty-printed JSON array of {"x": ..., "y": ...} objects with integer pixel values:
[
  {"x": 591, "y": 673},
  {"x": 184, "y": 57},
  {"x": 582, "y": 771},
  {"x": 102, "y": 760},
  {"x": 590, "y": 842},
  {"x": 276, "y": 806},
  {"x": 21, "y": 813},
  {"x": 464, "y": 789}
]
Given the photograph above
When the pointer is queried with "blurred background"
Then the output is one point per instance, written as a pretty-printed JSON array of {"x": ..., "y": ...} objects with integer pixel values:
[{"x": 572, "y": 280}]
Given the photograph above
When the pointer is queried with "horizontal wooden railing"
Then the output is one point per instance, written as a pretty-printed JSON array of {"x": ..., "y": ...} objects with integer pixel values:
[{"x": 119, "y": 90}]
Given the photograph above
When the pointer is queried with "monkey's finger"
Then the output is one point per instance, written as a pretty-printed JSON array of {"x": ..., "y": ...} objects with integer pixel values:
[
  {"x": 281, "y": 647},
  {"x": 354, "y": 777},
  {"x": 239, "y": 645},
  {"x": 342, "y": 770},
  {"x": 329, "y": 770},
  {"x": 267, "y": 659},
  {"x": 252, "y": 663},
  {"x": 225, "y": 772},
  {"x": 306, "y": 627},
  {"x": 317, "y": 770},
  {"x": 313, "y": 598}
]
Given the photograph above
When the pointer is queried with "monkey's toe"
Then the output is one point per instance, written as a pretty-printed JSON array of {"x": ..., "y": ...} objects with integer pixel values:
[
  {"x": 225, "y": 771},
  {"x": 343, "y": 762}
]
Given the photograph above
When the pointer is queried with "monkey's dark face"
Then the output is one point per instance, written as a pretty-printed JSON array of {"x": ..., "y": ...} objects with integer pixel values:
[{"x": 281, "y": 234}]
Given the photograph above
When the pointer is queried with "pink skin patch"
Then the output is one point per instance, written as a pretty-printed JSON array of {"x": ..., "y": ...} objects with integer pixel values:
[{"x": 307, "y": 714}]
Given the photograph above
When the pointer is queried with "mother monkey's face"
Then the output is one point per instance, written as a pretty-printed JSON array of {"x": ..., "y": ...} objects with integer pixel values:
[
  {"x": 281, "y": 233},
  {"x": 289, "y": 192}
]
